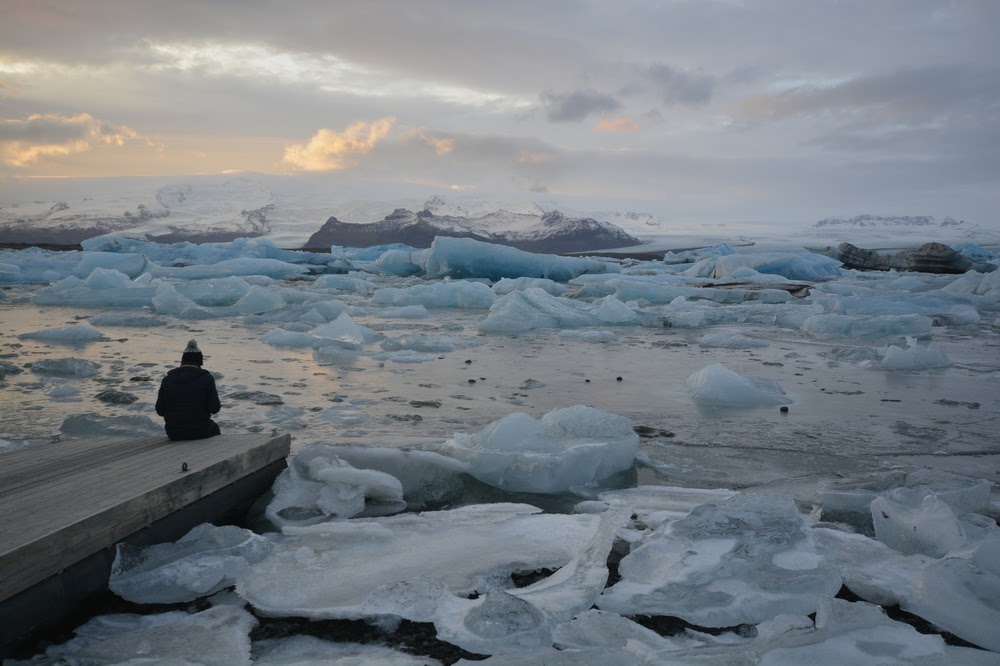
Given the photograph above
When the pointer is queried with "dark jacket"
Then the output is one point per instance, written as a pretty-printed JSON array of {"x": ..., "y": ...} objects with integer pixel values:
[{"x": 186, "y": 401}]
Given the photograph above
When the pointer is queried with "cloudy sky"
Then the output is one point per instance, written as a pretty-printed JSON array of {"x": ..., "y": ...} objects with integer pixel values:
[{"x": 696, "y": 109}]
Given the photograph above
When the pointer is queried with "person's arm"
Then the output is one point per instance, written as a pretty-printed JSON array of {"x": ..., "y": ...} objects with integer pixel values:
[
  {"x": 159, "y": 399},
  {"x": 212, "y": 397}
]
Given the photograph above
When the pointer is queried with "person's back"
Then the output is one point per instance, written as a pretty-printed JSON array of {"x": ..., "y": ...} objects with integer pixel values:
[{"x": 188, "y": 398}]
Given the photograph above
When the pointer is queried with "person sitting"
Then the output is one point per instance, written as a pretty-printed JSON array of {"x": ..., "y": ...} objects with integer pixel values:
[{"x": 188, "y": 398}]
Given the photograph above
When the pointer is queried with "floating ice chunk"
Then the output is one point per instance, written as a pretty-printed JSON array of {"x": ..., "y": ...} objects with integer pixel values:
[
  {"x": 169, "y": 301},
  {"x": 963, "y": 595},
  {"x": 337, "y": 356},
  {"x": 344, "y": 283},
  {"x": 466, "y": 257},
  {"x": 273, "y": 268},
  {"x": 507, "y": 285},
  {"x": 792, "y": 265},
  {"x": 57, "y": 392},
  {"x": 405, "y": 356},
  {"x": 219, "y": 636},
  {"x": 457, "y": 294},
  {"x": 427, "y": 477},
  {"x": 730, "y": 341},
  {"x": 856, "y": 633},
  {"x": 257, "y": 299},
  {"x": 66, "y": 367},
  {"x": 279, "y": 337},
  {"x": 575, "y": 446},
  {"x": 126, "y": 319},
  {"x": 872, "y": 570},
  {"x": 318, "y": 486},
  {"x": 344, "y": 416},
  {"x": 866, "y": 327},
  {"x": 912, "y": 357},
  {"x": 205, "y": 560},
  {"x": 911, "y": 520},
  {"x": 850, "y": 501},
  {"x": 613, "y": 311},
  {"x": 402, "y": 262},
  {"x": 742, "y": 560},
  {"x": 601, "y": 629},
  {"x": 424, "y": 342},
  {"x": 401, "y": 312},
  {"x": 68, "y": 334},
  {"x": 103, "y": 288},
  {"x": 534, "y": 308},
  {"x": 656, "y": 505},
  {"x": 131, "y": 265},
  {"x": 506, "y": 621},
  {"x": 305, "y": 650},
  {"x": 717, "y": 384},
  {"x": 328, "y": 571},
  {"x": 947, "y": 309},
  {"x": 588, "y": 336},
  {"x": 95, "y": 425},
  {"x": 343, "y": 332}
]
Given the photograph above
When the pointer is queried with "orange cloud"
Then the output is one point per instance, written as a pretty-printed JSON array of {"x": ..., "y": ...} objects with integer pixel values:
[
  {"x": 620, "y": 124},
  {"x": 332, "y": 151},
  {"x": 24, "y": 142}
]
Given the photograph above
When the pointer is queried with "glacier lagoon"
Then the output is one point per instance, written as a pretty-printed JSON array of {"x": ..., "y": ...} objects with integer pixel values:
[{"x": 889, "y": 380}]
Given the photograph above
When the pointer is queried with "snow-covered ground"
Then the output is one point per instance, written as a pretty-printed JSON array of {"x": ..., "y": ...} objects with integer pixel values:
[{"x": 746, "y": 453}]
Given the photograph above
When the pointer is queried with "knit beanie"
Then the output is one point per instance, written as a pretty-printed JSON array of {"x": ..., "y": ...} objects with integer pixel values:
[{"x": 192, "y": 355}]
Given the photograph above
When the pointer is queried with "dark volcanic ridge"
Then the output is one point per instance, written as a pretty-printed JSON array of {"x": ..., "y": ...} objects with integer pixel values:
[{"x": 552, "y": 232}]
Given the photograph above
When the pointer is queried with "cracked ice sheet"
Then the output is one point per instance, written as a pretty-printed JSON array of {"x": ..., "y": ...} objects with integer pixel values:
[
  {"x": 742, "y": 560},
  {"x": 327, "y": 571}
]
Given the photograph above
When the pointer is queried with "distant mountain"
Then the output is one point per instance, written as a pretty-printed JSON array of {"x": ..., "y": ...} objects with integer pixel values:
[
  {"x": 550, "y": 232},
  {"x": 216, "y": 212},
  {"x": 877, "y": 221}
]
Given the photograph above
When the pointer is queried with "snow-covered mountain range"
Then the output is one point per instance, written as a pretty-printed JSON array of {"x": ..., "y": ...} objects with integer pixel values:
[
  {"x": 550, "y": 231},
  {"x": 295, "y": 212}
]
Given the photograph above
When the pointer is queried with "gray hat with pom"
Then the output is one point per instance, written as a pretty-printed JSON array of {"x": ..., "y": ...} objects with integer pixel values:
[{"x": 192, "y": 355}]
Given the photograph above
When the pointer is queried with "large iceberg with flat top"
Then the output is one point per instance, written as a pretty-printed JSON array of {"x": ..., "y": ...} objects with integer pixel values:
[
  {"x": 566, "y": 448},
  {"x": 469, "y": 258},
  {"x": 792, "y": 265}
]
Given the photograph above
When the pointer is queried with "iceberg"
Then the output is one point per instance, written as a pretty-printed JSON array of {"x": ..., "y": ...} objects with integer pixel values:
[
  {"x": 716, "y": 384},
  {"x": 318, "y": 486},
  {"x": 66, "y": 367},
  {"x": 456, "y": 294},
  {"x": 867, "y": 327},
  {"x": 219, "y": 636},
  {"x": 229, "y": 267},
  {"x": 205, "y": 560},
  {"x": 742, "y": 560},
  {"x": 68, "y": 334},
  {"x": 730, "y": 341},
  {"x": 535, "y": 308},
  {"x": 327, "y": 571},
  {"x": 912, "y": 357},
  {"x": 468, "y": 258},
  {"x": 567, "y": 448},
  {"x": 131, "y": 265},
  {"x": 806, "y": 266}
]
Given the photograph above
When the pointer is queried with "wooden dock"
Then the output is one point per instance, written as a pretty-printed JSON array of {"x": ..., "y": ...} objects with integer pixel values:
[{"x": 64, "y": 506}]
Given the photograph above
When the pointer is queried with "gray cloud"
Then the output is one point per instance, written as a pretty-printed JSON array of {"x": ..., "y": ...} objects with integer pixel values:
[
  {"x": 577, "y": 105},
  {"x": 45, "y": 129},
  {"x": 679, "y": 87}
]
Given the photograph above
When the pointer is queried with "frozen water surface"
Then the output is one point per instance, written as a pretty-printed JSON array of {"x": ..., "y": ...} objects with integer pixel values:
[{"x": 889, "y": 436}]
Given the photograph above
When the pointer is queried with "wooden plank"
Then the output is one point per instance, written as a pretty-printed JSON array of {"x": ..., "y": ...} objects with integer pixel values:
[{"x": 64, "y": 501}]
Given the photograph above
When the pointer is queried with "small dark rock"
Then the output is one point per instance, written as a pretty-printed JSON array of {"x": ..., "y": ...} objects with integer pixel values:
[
  {"x": 140, "y": 379},
  {"x": 618, "y": 379},
  {"x": 783, "y": 409},
  {"x": 116, "y": 397},
  {"x": 425, "y": 403},
  {"x": 472, "y": 381}
]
